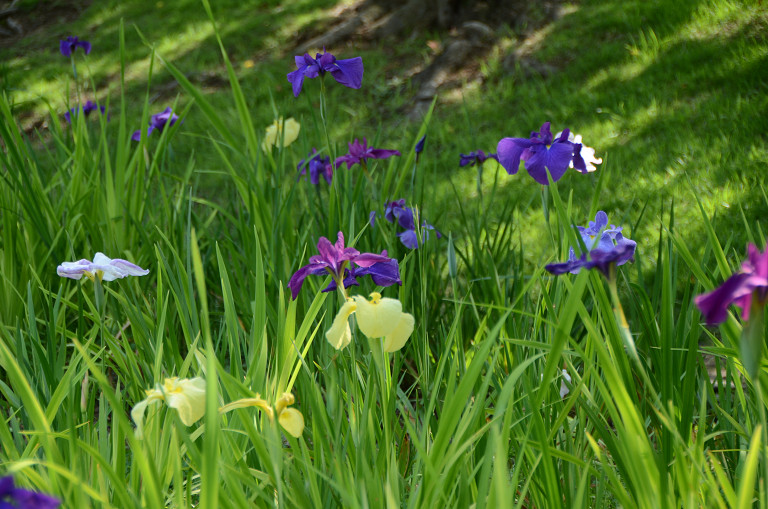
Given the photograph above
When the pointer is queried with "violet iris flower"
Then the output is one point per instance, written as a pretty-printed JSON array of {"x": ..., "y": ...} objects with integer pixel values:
[
  {"x": 478, "y": 157},
  {"x": 605, "y": 246},
  {"x": 70, "y": 44},
  {"x": 396, "y": 211},
  {"x": 86, "y": 109},
  {"x": 360, "y": 152},
  {"x": 348, "y": 72},
  {"x": 318, "y": 165},
  {"x": 12, "y": 497},
  {"x": 158, "y": 121},
  {"x": 751, "y": 281},
  {"x": 382, "y": 274},
  {"x": 334, "y": 259},
  {"x": 541, "y": 153}
]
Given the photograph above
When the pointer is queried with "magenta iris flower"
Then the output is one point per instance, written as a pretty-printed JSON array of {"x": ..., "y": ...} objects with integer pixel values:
[
  {"x": 318, "y": 166},
  {"x": 360, "y": 152},
  {"x": 335, "y": 259},
  {"x": 12, "y": 497},
  {"x": 158, "y": 121},
  {"x": 86, "y": 109},
  {"x": 605, "y": 246},
  {"x": 478, "y": 157},
  {"x": 70, "y": 44},
  {"x": 348, "y": 72},
  {"x": 750, "y": 282},
  {"x": 541, "y": 153}
]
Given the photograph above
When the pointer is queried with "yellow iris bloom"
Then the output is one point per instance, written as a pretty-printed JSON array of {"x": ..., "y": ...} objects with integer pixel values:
[
  {"x": 379, "y": 317},
  {"x": 290, "y": 419},
  {"x": 187, "y": 396},
  {"x": 281, "y": 132}
]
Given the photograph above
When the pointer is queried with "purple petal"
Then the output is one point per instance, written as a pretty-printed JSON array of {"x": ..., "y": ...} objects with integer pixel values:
[
  {"x": 578, "y": 161},
  {"x": 420, "y": 145},
  {"x": 573, "y": 265},
  {"x": 545, "y": 134},
  {"x": 349, "y": 72},
  {"x": 297, "y": 280},
  {"x": 409, "y": 239},
  {"x": 366, "y": 260},
  {"x": 65, "y": 47},
  {"x": 85, "y": 45},
  {"x": 372, "y": 218},
  {"x": 380, "y": 153},
  {"x": 714, "y": 305},
  {"x": 558, "y": 158},
  {"x": 509, "y": 151},
  {"x": 536, "y": 164},
  {"x": 297, "y": 80},
  {"x": 383, "y": 274}
]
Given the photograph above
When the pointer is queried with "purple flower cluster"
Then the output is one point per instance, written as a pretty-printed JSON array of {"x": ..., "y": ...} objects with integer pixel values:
[
  {"x": 750, "y": 282},
  {"x": 86, "y": 109},
  {"x": 407, "y": 218},
  {"x": 478, "y": 157},
  {"x": 541, "y": 154},
  {"x": 158, "y": 121},
  {"x": 70, "y": 44},
  {"x": 348, "y": 72},
  {"x": 605, "y": 246},
  {"x": 359, "y": 153},
  {"x": 345, "y": 264},
  {"x": 318, "y": 166},
  {"x": 12, "y": 497}
]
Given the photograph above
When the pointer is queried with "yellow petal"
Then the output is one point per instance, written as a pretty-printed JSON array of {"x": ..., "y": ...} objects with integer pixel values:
[
  {"x": 379, "y": 316},
  {"x": 187, "y": 396},
  {"x": 285, "y": 400},
  {"x": 245, "y": 403},
  {"x": 396, "y": 339},
  {"x": 292, "y": 421},
  {"x": 339, "y": 335},
  {"x": 291, "y": 130}
]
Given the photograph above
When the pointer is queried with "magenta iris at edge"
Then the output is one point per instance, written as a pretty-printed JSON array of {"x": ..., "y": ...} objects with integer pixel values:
[
  {"x": 541, "y": 152},
  {"x": 70, "y": 44},
  {"x": 12, "y": 497},
  {"x": 158, "y": 121},
  {"x": 317, "y": 165},
  {"x": 359, "y": 153},
  {"x": 337, "y": 260},
  {"x": 348, "y": 72},
  {"x": 605, "y": 246},
  {"x": 750, "y": 282},
  {"x": 406, "y": 217}
]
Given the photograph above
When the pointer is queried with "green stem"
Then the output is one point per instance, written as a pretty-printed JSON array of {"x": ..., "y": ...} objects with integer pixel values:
[
  {"x": 621, "y": 320},
  {"x": 764, "y": 444}
]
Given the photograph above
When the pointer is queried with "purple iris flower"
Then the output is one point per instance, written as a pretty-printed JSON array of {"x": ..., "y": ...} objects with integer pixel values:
[
  {"x": 605, "y": 246},
  {"x": 382, "y": 274},
  {"x": 318, "y": 165},
  {"x": 420, "y": 145},
  {"x": 751, "y": 281},
  {"x": 348, "y": 72},
  {"x": 478, "y": 157},
  {"x": 334, "y": 259},
  {"x": 158, "y": 121},
  {"x": 70, "y": 44},
  {"x": 360, "y": 152},
  {"x": 396, "y": 211},
  {"x": 12, "y": 497},
  {"x": 541, "y": 153},
  {"x": 86, "y": 109}
]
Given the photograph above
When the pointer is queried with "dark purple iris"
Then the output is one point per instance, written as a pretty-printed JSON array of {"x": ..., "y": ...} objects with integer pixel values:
[
  {"x": 541, "y": 153},
  {"x": 86, "y": 109},
  {"x": 318, "y": 165},
  {"x": 70, "y": 44},
  {"x": 606, "y": 246},
  {"x": 12, "y": 497},
  {"x": 360, "y": 152},
  {"x": 751, "y": 281},
  {"x": 348, "y": 72},
  {"x": 478, "y": 157},
  {"x": 420, "y": 145},
  {"x": 406, "y": 217},
  {"x": 159, "y": 122},
  {"x": 335, "y": 259},
  {"x": 382, "y": 274}
]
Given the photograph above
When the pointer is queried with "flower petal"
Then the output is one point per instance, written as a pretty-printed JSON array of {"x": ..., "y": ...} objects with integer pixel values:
[
  {"x": 509, "y": 151},
  {"x": 188, "y": 399},
  {"x": 292, "y": 421},
  {"x": 396, "y": 339},
  {"x": 340, "y": 335},
  {"x": 378, "y": 317},
  {"x": 349, "y": 72}
]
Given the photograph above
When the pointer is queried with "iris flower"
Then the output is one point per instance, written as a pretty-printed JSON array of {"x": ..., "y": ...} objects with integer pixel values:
[
  {"x": 541, "y": 153},
  {"x": 102, "y": 267},
  {"x": 478, "y": 157},
  {"x": 396, "y": 211},
  {"x": 605, "y": 246},
  {"x": 335, "y": 259},
  {"x": 348, "y": 72},
  {"x": 186, "y": 395},
  {"x": 70, "y": 44},
  {"x": 290, "y": 419},
  {"x": 586, "y": 154},
  {"x": 158, "y": 121},
  {"x": 318, "y": 165},
  {"x": 750, "y": 282},
  {"x": 420, "y": 145},
  {"x": 380, "y": 317},
  {"x": 361, "y": 152},
  {"x": 12, "y": 497},
  {"x": 281, "y": 132},
  {"x": 86, "y": 109}
]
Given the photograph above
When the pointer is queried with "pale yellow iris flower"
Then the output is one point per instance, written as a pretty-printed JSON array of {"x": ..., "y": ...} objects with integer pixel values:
[
  {"x": 290, "y": 419},
  {"x": 186, "y": 395},
  {"x": 380, "y": 317},
  {"x": 281, "y": 132}
]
